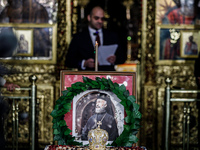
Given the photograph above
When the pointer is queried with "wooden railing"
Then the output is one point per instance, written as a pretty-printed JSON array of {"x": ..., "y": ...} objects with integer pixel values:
[
  {"x": 31, "y": 97},
  {"x": 186, "y": 111}
]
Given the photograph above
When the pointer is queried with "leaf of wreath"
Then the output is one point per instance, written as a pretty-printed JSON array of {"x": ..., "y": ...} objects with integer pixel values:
[{"x": 63, "y": 105}]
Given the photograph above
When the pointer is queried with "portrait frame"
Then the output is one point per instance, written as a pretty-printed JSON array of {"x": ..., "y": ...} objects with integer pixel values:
[
  {"x": 185, "y": 46},
  {"x": 70, "y": 77},
  {"x": 28, "y": 37},
  {"x": 77, "y": 76},
  {"x": 167, "y": 40},
  {"x": 48, "y": 35}
]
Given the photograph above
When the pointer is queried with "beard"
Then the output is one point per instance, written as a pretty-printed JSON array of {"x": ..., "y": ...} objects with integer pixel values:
[{"x": 100, "y": 110}]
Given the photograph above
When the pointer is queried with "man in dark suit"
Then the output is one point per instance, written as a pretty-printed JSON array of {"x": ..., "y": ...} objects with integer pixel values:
[{"x": 81, "y": 50}]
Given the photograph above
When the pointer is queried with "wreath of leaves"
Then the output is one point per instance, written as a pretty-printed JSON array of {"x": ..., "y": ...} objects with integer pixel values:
[{"x": 63, "y": 105}]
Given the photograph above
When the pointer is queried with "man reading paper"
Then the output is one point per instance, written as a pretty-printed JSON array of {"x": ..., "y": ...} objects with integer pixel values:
[{"x": 81, "y": 50}]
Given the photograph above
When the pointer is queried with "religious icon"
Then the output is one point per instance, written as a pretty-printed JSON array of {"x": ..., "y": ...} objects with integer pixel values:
[
  {"x": 169, "y": 44},
  {"x": 24, "y": 42},
  {"x": 23, "y": 45},
  {"x": 191, "y": 46},
  {"x": 177, "y": 12},
  {"x": 189, "y": 43}
]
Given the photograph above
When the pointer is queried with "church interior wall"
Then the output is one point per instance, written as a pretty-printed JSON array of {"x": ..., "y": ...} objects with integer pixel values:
[{"x": 146, "y": 51}]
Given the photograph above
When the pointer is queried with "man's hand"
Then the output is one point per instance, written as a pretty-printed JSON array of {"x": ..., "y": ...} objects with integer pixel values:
[
  {"x": 11, "y": 86},
  {"x": 111, "y": 59},
  {"x": 89, "y": 63}
]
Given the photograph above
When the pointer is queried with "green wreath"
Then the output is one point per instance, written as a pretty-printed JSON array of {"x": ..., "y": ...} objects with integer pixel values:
[{"x": 63, "y": 105}]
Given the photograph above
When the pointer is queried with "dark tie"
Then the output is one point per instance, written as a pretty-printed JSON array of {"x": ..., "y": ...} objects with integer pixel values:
[{"x": 97, "y": 38}]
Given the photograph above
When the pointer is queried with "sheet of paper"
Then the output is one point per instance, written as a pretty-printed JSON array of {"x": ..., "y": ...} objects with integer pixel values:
[{"x": 104, "y": 52}]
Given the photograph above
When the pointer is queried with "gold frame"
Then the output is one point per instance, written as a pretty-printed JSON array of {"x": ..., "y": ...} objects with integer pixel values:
[
  {"x": 30, "y": 42},
  {"x": 158, "y": 38},
  {"x": 47, "y": 60},
  {"x": 185, "y": 34}
]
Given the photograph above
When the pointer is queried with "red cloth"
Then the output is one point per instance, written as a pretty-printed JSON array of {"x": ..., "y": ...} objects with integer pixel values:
[{"x": 66, "y": 147}]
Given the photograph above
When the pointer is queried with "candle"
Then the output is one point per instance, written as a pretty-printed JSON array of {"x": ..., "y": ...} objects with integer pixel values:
[{"x": 96, "y": 56}]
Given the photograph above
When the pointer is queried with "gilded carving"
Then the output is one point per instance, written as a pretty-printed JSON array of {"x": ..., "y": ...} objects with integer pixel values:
[
  {"x": 19, "y": 110},
  {"x": 148, "y": 136},
  {"x": 150, "y": 41},
  {"x": 45, "y": 103},
  {"x": 23, "y": 78},
  {"x": 160, "y": 116},
  {"x": 22, "y": 105},
  {"x": 149, "y": 105},
  {"x": 177, "y": 121},
  {"x": 182, "y": 75},
  {"x": 63, "y": 14}
]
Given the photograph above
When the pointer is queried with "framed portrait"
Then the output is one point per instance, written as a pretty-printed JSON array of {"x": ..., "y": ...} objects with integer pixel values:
[
  {"x": 29, "y": 43},
  {"x": 168, "y": 43},
  {"x": 85, "y": 107},
  {"x": 177, "y": 12},
  {"x": 25, "y": 42},
  {"x": 190, "y": 43}
]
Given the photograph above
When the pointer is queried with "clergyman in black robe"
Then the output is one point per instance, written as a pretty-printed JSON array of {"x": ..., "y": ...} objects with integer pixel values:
[{"x": 108, "y": 121}]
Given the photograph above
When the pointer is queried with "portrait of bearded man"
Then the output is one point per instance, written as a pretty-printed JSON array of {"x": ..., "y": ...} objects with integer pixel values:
[{"x": 108, "y": 121}]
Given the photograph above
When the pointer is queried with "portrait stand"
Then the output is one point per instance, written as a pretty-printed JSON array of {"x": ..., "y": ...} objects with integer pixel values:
[{"x": 83, "y": 104}]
